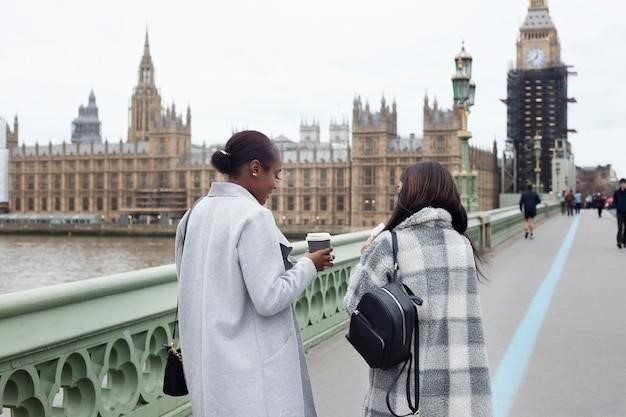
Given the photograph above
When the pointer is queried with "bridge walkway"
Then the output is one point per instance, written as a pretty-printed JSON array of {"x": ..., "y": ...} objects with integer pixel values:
[{"x": 555, "y": 324}]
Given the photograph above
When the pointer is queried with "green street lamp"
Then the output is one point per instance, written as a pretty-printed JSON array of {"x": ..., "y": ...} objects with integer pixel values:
[{"x": 464, "y": 94}]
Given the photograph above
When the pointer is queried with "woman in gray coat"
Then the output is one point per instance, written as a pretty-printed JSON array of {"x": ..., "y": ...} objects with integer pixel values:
[
  {"x": 240, "y": 340},
  {"x": 437, "y": 262}
]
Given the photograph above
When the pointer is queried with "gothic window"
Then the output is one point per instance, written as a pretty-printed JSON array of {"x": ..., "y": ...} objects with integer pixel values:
[
  {"x": 85, "y": 203},
  {"x": 369, "y": 175},
  {"x": 340, "y": 178},
  {"x": 368, "y": 146},
  {"x": 274, "y": 203},
  {"x": 57, "y": 203},
  {"x": 70, "y": 204},
  {"x": 143, "y": 180},
  {"x": 163, "y": 183},
  {"x": 323, "y": 203},
  {"x": 99, "y": 182},
  {"x": 114, "y": 181},
  {"x": 182, "y": 180},
  {"x": 290, "y": 205},
  {"x": 44, "y": 204},
  {"x": 129, "y": 181},
  {"x": 18, "y": 204},
  {"x": 113, "y": 203},
  {"x": 340, "y": 203},
  {"x": 85, "y": 181},
  {"x": 440, "y": 144},
  {"x": 290, "y": 178},
  {"x": 323, "y": 177},
  {"x": 306, "y": 177},
  {"x": 99, "y": 203},
  {"x": 306, "y": 203},
  {"x": 31, "y": 204}
]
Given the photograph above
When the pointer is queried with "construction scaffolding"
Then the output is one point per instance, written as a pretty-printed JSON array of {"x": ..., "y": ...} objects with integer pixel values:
[{"x": 536, "y": 116}]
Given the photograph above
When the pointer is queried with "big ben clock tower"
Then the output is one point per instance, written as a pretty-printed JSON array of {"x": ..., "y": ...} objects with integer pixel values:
[{"x": 537, "y": 99}]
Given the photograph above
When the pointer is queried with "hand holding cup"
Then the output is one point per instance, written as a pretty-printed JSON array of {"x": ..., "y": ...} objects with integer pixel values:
[{"x": 319, "y": 250}]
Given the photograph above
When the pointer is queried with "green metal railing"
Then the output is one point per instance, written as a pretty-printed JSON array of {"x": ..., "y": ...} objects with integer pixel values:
[{"x": 95, "y": 347}]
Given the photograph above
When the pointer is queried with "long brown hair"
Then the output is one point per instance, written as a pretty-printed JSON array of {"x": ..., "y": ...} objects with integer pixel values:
[{"x": 430, "y": 184}]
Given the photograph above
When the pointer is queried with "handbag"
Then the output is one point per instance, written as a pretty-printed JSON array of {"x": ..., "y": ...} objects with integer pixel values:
[
  {"x": 174, "y": 383},
  {"x": 381, "y": 329}
]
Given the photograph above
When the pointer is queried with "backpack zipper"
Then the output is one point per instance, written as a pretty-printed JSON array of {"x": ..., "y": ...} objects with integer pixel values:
[
  {"x": 380, "y": 339},
  {"x": 401, "y": 313}
]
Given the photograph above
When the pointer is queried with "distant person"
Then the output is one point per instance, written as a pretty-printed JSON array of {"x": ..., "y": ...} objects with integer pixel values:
[
  {"x": 599, "y": 201},
  {"x": 619, "y": 201},
  {"x": 528, "y": 205},
  {"x": 569, "y": 203},
  {"x": 562, "y": 201},
  {"x": 578, "y": 201}
]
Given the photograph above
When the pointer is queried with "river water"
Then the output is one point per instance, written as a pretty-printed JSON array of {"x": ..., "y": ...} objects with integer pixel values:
[{"x": 35, "y": 261}]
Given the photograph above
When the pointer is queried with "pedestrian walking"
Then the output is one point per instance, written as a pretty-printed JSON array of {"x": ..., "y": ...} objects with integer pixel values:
[
  {"x": 238, "y": 331},
  {"x": 436, "y": 262},
  {"x": 619, "y": 201},
  {"x": 569, "y": 203},
  {"x": 562, "y": 201},
  {"x": 578, "y": 201},
  {"x": 528, "y": 206},
  {"x": 599, "y": 201}
]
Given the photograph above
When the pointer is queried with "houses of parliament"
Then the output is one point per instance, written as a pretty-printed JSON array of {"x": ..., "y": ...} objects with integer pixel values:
[{"x": 346, "y": 183}]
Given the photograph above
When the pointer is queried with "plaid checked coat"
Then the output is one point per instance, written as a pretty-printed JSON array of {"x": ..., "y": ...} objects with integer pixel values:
[{"x": 437, "y": 263}]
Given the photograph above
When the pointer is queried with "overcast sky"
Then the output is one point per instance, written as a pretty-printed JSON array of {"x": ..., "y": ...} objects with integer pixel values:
[{"x": 266, "y": 65}]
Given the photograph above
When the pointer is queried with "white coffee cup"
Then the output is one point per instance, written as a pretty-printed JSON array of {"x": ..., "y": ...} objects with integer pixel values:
[{"x": 318, "y": 240}]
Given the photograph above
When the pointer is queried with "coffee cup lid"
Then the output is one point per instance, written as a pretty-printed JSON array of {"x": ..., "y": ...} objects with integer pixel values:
[{"x": 318, "y": 236}]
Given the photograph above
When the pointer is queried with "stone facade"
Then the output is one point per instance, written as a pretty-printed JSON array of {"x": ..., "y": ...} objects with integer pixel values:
[{"x": 346, "y": 183}]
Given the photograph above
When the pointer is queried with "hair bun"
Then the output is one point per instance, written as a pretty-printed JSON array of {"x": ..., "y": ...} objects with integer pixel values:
[{"x": 222, "y": 161}]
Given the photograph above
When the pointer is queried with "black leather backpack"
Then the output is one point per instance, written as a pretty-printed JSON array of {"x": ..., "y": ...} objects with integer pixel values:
[{"x": 381, "y": 328}]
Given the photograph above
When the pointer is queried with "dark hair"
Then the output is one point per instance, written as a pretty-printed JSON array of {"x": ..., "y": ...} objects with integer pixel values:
[
  {"x": 430, "y": 184},
  {"x": 622, "y": 180},
  {"x": 242, "y": 148},
  {"x": 529, "y": 187}
]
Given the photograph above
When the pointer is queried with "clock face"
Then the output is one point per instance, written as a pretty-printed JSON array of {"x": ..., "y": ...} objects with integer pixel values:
[{"x": 536, "y": 58}]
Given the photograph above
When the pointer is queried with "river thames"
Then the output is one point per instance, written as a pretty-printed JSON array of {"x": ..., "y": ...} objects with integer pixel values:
[{"x": 28, "y": 261}]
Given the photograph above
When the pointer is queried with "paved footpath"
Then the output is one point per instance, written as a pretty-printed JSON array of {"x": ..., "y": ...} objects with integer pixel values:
[{"x": 555, "y": 321}]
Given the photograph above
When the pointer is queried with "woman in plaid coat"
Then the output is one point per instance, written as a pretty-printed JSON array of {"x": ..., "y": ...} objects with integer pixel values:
[{"x": 437, "y": 262}]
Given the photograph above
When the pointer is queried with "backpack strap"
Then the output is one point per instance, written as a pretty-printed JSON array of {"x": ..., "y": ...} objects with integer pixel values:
[
  {"x": 413, "y": 359},
  {"x": 394, "y": 249}
]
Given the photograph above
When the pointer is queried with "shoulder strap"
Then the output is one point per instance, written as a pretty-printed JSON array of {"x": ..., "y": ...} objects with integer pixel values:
[
  {"x": 183, "y": 242},
  {"x": 394, "y": 249},
  {"x": 412, "y": 360}
]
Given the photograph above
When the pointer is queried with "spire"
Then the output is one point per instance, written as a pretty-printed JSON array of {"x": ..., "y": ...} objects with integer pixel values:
[
  {"x": 92, "y": 98},
  {"x": 146, "y": 45},
  {"x": 146, "y": 68}
]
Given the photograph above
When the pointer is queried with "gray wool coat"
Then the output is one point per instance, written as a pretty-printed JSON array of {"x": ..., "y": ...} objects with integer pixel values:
[
  {"x": 437, "y": 264},
  {"x": 241, "y": 345}
]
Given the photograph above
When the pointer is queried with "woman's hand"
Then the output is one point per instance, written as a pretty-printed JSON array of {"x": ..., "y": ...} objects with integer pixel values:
[{"x": 321, "y": 258}]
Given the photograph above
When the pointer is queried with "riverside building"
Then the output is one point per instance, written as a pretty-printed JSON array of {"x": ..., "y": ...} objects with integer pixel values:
[{"x": 348, "y": 182}]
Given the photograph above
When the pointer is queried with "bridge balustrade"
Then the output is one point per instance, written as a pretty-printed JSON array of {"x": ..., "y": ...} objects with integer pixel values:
[{"x": 95, "y": 347}]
